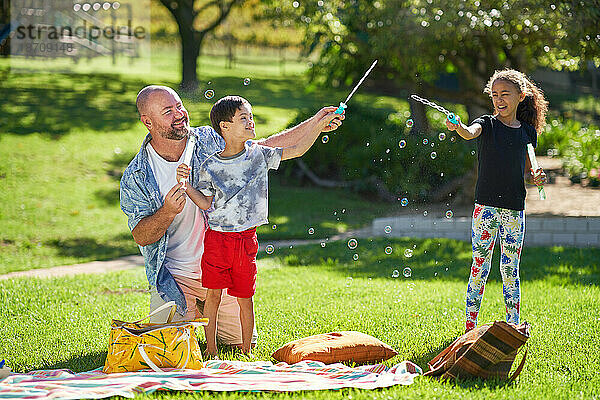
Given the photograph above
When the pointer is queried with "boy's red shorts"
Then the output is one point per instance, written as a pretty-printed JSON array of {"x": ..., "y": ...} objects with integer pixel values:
[{"x": 229, "y": 261}]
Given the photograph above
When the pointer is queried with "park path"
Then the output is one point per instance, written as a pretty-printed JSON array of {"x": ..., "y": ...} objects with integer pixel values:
[{"x": 137, "y": 261}]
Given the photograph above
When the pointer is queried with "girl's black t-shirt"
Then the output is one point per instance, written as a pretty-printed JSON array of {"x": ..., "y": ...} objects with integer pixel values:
[{"x": 502, "y": 153}]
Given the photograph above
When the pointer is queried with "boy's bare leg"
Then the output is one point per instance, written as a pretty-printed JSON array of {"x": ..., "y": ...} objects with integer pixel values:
[
  {"x": 247, "y": 322},
  {"x": 211, "y": 307}
]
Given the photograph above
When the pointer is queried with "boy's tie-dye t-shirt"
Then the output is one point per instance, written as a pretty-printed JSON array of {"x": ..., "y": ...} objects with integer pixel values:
[{"x": 240, "y": 187}]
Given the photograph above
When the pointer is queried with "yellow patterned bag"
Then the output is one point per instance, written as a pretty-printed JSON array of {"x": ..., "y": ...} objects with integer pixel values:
[{"x": 133, "y": 346}]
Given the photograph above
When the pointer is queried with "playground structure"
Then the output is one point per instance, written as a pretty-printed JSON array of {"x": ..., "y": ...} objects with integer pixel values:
[{"x": 51, "y": 29}]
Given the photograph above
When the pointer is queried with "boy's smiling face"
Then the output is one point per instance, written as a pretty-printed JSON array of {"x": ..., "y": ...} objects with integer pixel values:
[{"x": 241, "y": 127}]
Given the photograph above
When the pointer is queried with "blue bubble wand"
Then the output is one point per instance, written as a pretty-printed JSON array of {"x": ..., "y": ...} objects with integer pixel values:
[
  {"x": 343, "y": 105},
  {"x": 451, "y": 116}
]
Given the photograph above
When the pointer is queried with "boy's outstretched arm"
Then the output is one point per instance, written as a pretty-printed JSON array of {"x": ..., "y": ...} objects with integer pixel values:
[
  {"x": 466, "y": 132},
  {"x": 313, "y": 127},
  {"x": 293, "y": 136},
  {"x": 202, "y": 201}
]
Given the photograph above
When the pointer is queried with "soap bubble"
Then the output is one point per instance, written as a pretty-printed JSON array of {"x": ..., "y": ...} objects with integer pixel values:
[
  {"x": 274, "y": 226},
  {"x": 349, "y": 281},
  {"x": 425, "y": 141},
  {"x": 449, "y": 214},
  {"x": 442, "y": 136},
  {"x": 322, "y": 244},
  {"x": 387, "y": 229},
  {"x": 433, "y": 155},
  {"x": 311, "y": 231},
  {"x": 395, "y": 273},
  {"x": 388, "y": 250},
  {"x": 452, "y": 139},
  {"x": 402, "y": 144},
  {"x": 472, "y": 152},
  {"x": 425, "y": 213},
  {"x": 409, "y": 123},
  {"x": 355, "y": 257},
  {"x": 246, "y": 81},
  {"x": 407, "y": 272},
  {"x": 325, "y": 139},
  {"x": 404, "y": 202},
  {"x": 209, "y": 94},
  {"x": 408, "y": 253},
  {"x": 269, "y": 249},
  {"x": 352, "y": 244}
]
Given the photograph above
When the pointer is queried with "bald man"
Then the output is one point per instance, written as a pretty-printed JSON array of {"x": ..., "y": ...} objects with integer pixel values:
[{"x": 168, "y": 229}]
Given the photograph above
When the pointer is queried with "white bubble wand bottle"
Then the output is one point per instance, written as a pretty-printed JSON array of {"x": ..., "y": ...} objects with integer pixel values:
[
  {"x": 187, "y": 158},
  {"x": 534, "y": 167}
]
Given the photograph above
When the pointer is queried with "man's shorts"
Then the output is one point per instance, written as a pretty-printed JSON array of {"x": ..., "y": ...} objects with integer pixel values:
[
  {"x": 229, "y": 261},
  {"x": 229, "y": 329}
]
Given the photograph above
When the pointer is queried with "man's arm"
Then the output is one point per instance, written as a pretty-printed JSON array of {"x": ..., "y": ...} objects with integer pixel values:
[
  {"x": 293, "y": 136},
  {"x": 312, "y": 127},
  {"x": 151, "y": 228}
]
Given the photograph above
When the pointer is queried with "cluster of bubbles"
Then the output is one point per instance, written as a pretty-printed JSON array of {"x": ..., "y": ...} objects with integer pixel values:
[
  {"x": 269, "y": 249},
  {"x": 325, "y": 139},
  {"x": 209, "y": 94},
  {"x": 352, "y": 244}
]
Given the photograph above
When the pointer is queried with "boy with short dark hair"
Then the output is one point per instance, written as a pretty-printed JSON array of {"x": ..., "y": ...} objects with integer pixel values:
[{"x": 233, "y": 187}]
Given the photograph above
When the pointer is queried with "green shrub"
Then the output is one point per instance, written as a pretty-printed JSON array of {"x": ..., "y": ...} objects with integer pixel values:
[
  {"x": 578, "y": 146},
  {"x": 366, "y": 151}
]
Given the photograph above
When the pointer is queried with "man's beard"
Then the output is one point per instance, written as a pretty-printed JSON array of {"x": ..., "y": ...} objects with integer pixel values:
[{"x": 173, "y": 133}]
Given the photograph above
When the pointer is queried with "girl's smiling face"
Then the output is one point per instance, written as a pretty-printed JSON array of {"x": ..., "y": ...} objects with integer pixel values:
[{"x": 506, "y": 98}]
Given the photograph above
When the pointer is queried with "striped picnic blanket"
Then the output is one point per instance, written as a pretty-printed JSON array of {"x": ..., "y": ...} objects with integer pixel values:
[{"x": 215, "y": 376}]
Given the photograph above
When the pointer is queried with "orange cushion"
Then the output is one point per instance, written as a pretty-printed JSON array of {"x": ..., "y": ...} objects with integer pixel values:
[{"x": 335, "y": 347}]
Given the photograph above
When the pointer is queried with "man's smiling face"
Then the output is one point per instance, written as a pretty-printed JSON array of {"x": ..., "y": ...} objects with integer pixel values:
[{"x": 169, "y": 117}]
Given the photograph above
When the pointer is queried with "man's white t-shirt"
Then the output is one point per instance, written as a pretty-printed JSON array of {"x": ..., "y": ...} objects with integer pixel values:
[{"x": 186, "y": 232}]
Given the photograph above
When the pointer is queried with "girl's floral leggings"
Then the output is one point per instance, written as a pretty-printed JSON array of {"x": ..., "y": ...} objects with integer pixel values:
[{"x": 487, "y": 222}]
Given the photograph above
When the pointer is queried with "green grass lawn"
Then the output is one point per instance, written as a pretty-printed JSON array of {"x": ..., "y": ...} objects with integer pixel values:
[{"x": 63, "y": 322}]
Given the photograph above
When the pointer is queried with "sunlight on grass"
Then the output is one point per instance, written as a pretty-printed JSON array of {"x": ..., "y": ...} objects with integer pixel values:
[{"x": 309, "y": 290}]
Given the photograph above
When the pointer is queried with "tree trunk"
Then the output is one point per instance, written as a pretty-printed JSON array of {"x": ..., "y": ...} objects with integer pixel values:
[
  {"x": 419, "y": 116},
  {"x": 190, "y": 50}
]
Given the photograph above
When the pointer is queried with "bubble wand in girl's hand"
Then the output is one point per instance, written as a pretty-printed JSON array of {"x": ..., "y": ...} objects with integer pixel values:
[
  {"x": 451, "y": 116},
  {"x": 342, "y": 107},
  {"x": 534, "y": 167}
]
